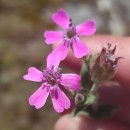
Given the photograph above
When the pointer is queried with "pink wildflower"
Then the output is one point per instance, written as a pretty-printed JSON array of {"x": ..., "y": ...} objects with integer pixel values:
[
  {"x": 70, "y": 36},
  {"x": 52, "y": 82}
]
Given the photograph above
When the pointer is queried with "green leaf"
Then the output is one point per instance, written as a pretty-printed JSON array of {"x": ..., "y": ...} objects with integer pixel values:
[
  {"x": 86, "y": 81},
  {"x": 91, "y": 98}
]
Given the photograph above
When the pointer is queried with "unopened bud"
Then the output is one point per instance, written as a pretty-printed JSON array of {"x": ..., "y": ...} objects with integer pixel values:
[{"x": 79, "y": 99}]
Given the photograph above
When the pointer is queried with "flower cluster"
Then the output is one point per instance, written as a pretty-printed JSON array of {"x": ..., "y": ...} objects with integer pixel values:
[{"x": 53, "y": 82}]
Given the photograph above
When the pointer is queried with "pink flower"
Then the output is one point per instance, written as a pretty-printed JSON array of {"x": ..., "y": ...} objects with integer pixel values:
[
  {"x": 52, "y": 83},
  {"x": 70, "y": 36}
]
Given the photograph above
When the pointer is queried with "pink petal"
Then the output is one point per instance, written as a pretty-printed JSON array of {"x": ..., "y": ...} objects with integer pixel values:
[
  {"x": 88, "y": 28},
  {"x": 61, "y": 18},
  {"x": 52, "y": 36},
  {"x": 59, "y": 99},
  {"x": 79, "y": 48},
  {"x": 39, "y": 98},
  {"x": 53, "y": 59},
  {"x": 33, "y": 75},
  {"x": 61, "y": 50},
  {"x": 71, "y": 81}
]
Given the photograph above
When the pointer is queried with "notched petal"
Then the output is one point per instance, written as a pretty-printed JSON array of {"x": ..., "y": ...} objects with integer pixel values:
[
  {"x": 79, "y": 48},
  {"x": 38, "y": 99},
  {"x": 87, "y": 28},
  {"x": 52, "y": 36},
  {"x": 71, "y": 81},
  {"x": 33, "y": 75},
  {"x": 61, "y": 18},
  {"x": 59, "y": 99},
  {"x": 53, "y": 60}
]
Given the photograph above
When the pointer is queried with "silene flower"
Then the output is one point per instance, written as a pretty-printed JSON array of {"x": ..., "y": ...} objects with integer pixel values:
[
  {"x": 70, "y": 36},
  {"x": 52, "y": 82}
]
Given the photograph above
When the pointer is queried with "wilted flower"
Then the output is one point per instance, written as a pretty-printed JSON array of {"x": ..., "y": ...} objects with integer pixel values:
[
  {"x": 52, "y": 82},
  {"x": 105, "y": 64},
  {"x": 70, "y": 36}
]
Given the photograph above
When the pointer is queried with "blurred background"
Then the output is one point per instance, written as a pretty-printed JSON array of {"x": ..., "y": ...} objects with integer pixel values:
[{"x": 22, "y": 23}]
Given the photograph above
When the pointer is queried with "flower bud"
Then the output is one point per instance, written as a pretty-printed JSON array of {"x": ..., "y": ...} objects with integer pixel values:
[{"x": 79, "y": 99}]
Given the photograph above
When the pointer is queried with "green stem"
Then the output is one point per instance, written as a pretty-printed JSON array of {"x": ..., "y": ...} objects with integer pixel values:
[{"x": 93, "y": 88}]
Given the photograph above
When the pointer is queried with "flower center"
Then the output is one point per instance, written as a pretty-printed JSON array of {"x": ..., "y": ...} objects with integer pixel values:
[
  {"x": 69, "y": 35},
  {"x": 52, "y": 76},
  {"x": 71, "y": 32}
]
